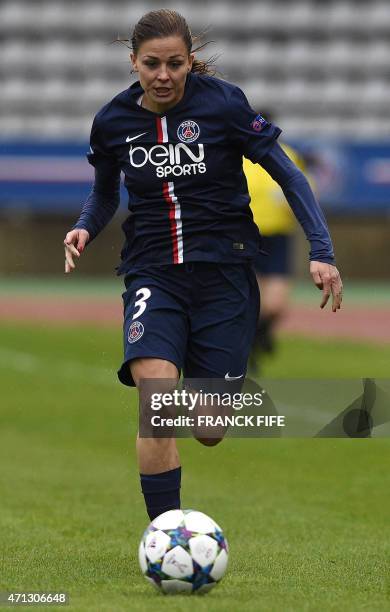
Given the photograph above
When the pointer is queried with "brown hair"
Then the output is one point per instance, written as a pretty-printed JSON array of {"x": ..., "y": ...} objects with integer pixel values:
[{"x": 163, "y": 23}]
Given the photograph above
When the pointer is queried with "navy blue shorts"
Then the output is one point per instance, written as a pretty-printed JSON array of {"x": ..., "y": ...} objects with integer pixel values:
[
  {"x": 200, "y": 316},
  {"x": 278, "y": 257}
]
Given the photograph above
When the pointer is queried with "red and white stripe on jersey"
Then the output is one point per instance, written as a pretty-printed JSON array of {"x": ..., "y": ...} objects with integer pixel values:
[
  {"x": 172, "y": 201},
  {"x": 175, "y": 222}
]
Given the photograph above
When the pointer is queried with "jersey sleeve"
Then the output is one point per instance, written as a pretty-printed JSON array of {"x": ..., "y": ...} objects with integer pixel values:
[
  {"x": 302, "y": 201},
  {"x": 99, "y": 156},
  {"x": 104, "y": 198},
  {"x": 248, "y": 130}
]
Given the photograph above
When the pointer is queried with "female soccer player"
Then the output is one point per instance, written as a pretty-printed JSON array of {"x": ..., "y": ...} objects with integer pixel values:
[{"x": 191, "y": 301}]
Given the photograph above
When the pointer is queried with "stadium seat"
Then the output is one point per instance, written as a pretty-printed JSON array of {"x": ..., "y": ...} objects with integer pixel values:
[{"x": 312, "y": 63}]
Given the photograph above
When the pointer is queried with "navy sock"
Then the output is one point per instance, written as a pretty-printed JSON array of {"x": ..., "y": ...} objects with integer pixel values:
[{"x": 161, "y": 491}]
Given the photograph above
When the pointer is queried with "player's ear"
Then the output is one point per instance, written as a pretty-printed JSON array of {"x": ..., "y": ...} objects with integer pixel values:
[
  {"x": 133, "y": 59},
  {"x": 191, "y": 58}
]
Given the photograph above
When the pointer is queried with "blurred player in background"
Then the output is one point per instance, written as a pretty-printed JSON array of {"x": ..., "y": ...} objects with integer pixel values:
[
  {"x": 191, "y": 300},
  {"x": 274, "y": 265}
]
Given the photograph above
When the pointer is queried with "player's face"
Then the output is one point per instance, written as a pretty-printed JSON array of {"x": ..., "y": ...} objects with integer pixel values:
[{"x": 163, "y": 65}]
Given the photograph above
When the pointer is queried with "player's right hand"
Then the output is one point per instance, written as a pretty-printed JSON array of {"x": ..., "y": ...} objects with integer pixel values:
[{"x": 74, "y": 244}]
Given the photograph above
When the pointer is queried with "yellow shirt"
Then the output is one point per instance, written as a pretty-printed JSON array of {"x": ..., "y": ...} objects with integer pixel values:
[{"x": 270, "y": 209}]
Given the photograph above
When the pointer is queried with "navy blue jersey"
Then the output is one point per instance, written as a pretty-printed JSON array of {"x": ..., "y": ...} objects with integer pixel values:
[{"x": 188, "y": 196}]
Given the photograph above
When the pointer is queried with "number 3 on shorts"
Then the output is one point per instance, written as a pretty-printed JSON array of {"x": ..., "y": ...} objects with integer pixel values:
[{"x": 145, "y": 294}]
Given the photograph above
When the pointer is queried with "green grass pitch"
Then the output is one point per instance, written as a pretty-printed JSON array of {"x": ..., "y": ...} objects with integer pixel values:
[{"x": 307, "y": 520}]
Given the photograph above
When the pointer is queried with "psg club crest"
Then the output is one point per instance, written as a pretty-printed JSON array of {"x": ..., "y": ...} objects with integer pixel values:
[
  {"x": 258, "y": 123},
  {"x": 136, "y": 331},
  {"x": 188, "y": 131}
]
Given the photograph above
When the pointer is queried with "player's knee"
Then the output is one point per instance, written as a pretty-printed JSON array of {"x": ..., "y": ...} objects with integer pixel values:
[
  {"x": 156, "y": 446},
  {"x": 209, "y": 441},
  {"x": 150, "y": 368}
]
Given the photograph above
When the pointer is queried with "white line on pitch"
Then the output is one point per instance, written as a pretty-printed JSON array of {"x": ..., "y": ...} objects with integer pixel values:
[{"x": 75, "y": 370}]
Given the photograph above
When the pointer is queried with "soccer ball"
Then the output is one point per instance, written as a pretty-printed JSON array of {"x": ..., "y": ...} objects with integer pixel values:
[{"x": 183, "y": 551}]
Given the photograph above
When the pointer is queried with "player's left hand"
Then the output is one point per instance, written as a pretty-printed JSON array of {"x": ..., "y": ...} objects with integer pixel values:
[{"x": 327, "y": 278}]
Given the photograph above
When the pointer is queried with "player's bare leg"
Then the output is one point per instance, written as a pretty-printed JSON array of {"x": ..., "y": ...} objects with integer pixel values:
[
  {"x": 155, "y": 454},
  {"x": 209, "y": 441},
  {"x": 201, "y": 432},
  {"x": 158, "y": 458},
  {"x": 160, "y": 454}
]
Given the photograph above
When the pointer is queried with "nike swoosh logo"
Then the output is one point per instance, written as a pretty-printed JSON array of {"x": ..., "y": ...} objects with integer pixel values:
[
  {"x": 128, "y": 139},
  {"x": 228, "y": 377}
]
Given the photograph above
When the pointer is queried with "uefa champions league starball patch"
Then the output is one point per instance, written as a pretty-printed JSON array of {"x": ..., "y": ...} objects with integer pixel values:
[
  {"x": 188, "y": 131},
  {"x": 258, "y": 123},
  {"x": 136, "y": 331}
]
